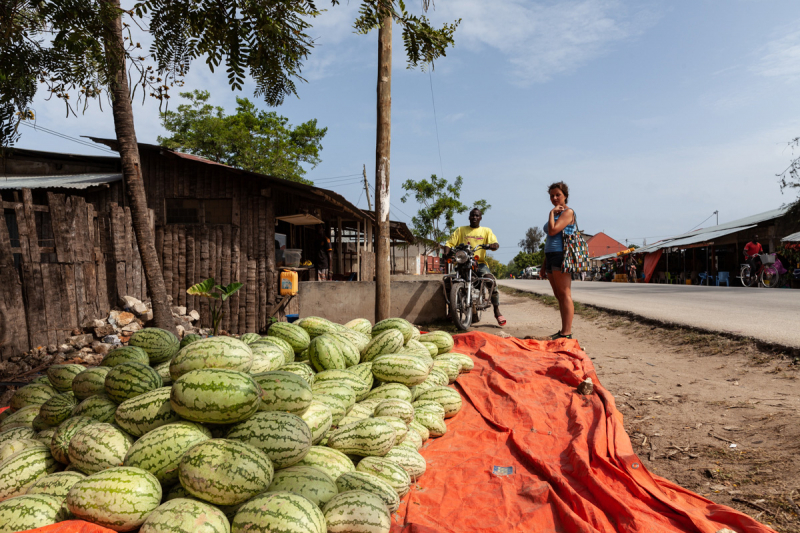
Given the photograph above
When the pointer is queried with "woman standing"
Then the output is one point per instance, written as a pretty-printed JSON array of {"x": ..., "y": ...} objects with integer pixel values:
[{"x": 561, "y": 222}]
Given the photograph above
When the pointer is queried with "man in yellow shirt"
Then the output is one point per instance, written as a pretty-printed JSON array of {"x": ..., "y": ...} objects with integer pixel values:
[{"x": 474, "y": 235}]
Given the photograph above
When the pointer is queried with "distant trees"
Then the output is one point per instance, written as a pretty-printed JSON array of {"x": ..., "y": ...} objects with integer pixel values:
[
  {"x": 533, "y": 238},
  {"x": 790, "y": 179},
  {"x": 498, "y": 269}
]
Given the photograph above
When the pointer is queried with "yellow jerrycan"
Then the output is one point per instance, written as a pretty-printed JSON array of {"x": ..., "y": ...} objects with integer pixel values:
[{"x": 288, "y": 282}]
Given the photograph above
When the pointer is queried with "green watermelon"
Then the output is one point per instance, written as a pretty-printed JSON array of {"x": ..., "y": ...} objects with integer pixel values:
[
  {"x": 388, "y": 471},
  {"x": 391, "y": 390},
  {"x": 419, "y": 428},
  {"x": 17, "y": 434},
  {"x": 22, "y": 418},
  {"x": 364, "y": 371},
  {"x": 350, "y": 351},
  {"x": 442, "y": 340},
  {"x": 358, "y": 385},
  {"x": 325, "y": 353},
  {"x": 22, "y": 469},
  {"x": 225, "y": 472},
  {"x": 29, "y": 512},
  {"x": 396, "y": 407},
  {"x": 296, "y": 336},
  {"x": 99, "y": 407},
  {"x": 97, "y": 447},
  {"x": 285, "y": 438},
  {"x": 56, "y": 484},
  {"x": 362, "y": 325},
  {"x": 283, "y": 391},
  {"x": 286, "y": 348},
  {"x": 59, "y": 446},
  {"x": 283, "y": 512},
  {"x": 332, "y": 462},
  {"x": 400, "y": 324},
  {"x": 409, "y": 370},
  {"x": 90, "y": 382},
  {"x": 302, "y": 370},
  {"x": 372, "y": 484},
  {"x": 432, "y": 422},
  {"x": 38, "y": 423},
  {"x": 267, "y": 357},
  {"x": 429, "y": 405},
  {"x": 160, "y": 344},
  {"x": 412, "y": 440},
  {"x": 389, "y": 341},
  {"x": 125, "y": 354},
  {"x": 465, "y": 362},
  {"x": 183, "y": 515},
  {"x": 371, "y": 436},
  {"x": 337, "y": 406},
  {"x": 46, "y": 436},
  {"x": 31, "y": 394},
  {"x": 448, "y": 398},
  {"x": 128, "y": 380},
  {"x": 119, "y": 498},
  {"x": 250, "y": 338},
  {"x": 357, "y": 511},
  {"x": 146, "y": 412},
  {"x": 163, "y": 371},
  {"x": 61, "y": 376},
  {"x": 189, "y": 338},
  {"x": 319, "y": 418},
  {"x": 411, "y": 460},
  {"x": 359, "y": 340},
  {"x": 57, "y": 409},
  {"x": 9, "y": 448},
  {"x": 307, "y": 481},
  {"x": 316, "y": 326},
  {"x": 214, "y": 352},
  {"x": 159, "y": 451},
  {"x": 215, "y": 396}
]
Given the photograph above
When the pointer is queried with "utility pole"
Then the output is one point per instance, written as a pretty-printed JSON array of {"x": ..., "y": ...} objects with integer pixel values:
[
  {"x": 383, "y": 295},
  {"x": 717, "y": 213},
  {"x": 366, "y": 188}
]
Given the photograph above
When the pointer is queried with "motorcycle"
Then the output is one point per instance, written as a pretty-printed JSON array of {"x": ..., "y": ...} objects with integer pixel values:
[{"x": 466, "y": 293}]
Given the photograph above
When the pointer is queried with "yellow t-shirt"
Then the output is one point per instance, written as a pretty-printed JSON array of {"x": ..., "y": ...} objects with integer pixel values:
[{"x": 473, "y": 237}]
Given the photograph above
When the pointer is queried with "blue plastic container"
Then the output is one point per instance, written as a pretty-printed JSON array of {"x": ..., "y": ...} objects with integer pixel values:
[{"x": 292, "y": 318}]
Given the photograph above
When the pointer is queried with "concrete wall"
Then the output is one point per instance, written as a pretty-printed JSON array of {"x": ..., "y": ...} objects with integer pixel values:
[{"x": 419, "y": 302}]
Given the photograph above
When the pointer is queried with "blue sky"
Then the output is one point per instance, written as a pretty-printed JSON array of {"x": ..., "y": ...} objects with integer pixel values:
[{"x": 656, "y": 113}]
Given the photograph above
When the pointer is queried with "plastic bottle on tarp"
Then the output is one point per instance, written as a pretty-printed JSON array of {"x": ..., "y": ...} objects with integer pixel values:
[{"x": 288, "y": 282}]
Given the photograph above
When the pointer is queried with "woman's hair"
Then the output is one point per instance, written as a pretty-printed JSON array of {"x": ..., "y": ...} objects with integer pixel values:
[{"x": 563, "y": 187}]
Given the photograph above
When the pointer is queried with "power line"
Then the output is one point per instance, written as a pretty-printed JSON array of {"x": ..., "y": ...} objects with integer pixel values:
[
  {"x": 436, "y": 123},
  {"x": 709, "y": 216},
  {"x": 68, "y": 138},
  {"x": 337, "y": 177},
  {"x": 391, "y": 204}
]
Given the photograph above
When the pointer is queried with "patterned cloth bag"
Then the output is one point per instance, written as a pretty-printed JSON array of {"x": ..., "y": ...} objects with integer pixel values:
[{"x": 576, "y": 252}]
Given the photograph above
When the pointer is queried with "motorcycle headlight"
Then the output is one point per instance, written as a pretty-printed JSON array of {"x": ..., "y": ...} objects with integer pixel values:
[{"x": 461, "y": 257}]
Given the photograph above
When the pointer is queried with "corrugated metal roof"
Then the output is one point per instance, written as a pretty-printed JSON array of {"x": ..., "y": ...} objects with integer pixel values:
[
  {"x": 70, "y": 181},
  {"x": 705, "y": 236},
  {"x": 794, "y": 237}
]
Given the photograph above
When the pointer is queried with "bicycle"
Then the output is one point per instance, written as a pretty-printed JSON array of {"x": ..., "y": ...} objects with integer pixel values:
[{"x": 768, "y": 274}]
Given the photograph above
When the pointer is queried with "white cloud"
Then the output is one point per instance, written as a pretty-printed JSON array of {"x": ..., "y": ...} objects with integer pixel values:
[
  {"x": 543, "y": 39},
  {"x": 780, "y": 58}
]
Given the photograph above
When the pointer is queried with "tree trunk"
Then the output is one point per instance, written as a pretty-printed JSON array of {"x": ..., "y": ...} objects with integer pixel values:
[
  {"x": 383, "y": 296},
  {"x": 132, "y": 172}
]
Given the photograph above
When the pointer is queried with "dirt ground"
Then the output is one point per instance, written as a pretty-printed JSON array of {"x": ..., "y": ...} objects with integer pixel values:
[{"x": 718, "y": 416}]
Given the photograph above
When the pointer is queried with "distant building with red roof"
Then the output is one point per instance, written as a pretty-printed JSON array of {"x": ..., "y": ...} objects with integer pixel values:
[{"x": 602, "y": 244}]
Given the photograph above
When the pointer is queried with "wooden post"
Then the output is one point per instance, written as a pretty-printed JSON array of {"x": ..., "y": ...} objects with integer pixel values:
[
  {"x": 358, "y": 249},
  {"x": 339, "y": 256},
  {"x": 383, "y": 296}
]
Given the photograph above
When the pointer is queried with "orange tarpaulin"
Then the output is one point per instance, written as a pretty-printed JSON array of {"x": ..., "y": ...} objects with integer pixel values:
[{"x": 527, "y": 453}]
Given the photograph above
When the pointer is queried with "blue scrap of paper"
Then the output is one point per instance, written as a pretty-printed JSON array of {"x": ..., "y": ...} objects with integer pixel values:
[{"x": 502, "y": 470}]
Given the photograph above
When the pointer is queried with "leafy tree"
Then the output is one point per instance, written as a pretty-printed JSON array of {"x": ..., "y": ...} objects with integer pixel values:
[
  {"x": 790, "y": 179},
  {"x": 252, "y": 139},
  {"x": 533, "y": 237},
  {"x": 523, "y": 259},
  {"x": 497, "y": 268},
  {"x": 84, "y": 48},
  {"x": 440, "y": 202}
]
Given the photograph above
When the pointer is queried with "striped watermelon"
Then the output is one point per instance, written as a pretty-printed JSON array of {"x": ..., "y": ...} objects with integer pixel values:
[
  {"x": 416, "y": 334},
  {"x": 409, "y": 370},
  {"x": 283, "y": 512},
  {"x": 287, "y": 349},
  {"x": 296, "y": 336},
  {"x": 413, "y": 439},
  {"x": 59, "y": 446},
  {"x": 359, "y": 340},
  {"x": 285, "y": 438},
  {"x": 90, "y": 382},
  {"x": 303, "y": 357},
  {"x": 119, "y": 498},
  {"x": 390, "y": 390},
  {"x": 213, "y": 352},
  {"x": 392, "y": 473},
  {"x": 146, "y": 412},
  {"x": 22, "y": 469},
  {"x": 372, "y": 484},
  {"x": 29, "y": 512},
  {"x": 22, "y": 418},
  {"x": 359, "y": 386},
  {"x": 389, "y": 341},
  {"x": 183, "y": 515},
  {"x": 97, "y": 447},
  {"x": 302, "y": 370},
  {"x": 438, "y": 377},
  {"x": 215, "y": 396},
  {"x": 417, "y": 346},
  {"x": 160, "y": 450},
  {"x": 364, "y": 371},
  {"x": 44, "y": 380},
  {"x": 362, "y": 325},
  {"x": 357, "y": 511},
  {"x": 128, "y": 380},
  {"x": 429, "y": 405},
  {"x": 163, "y": 371},
  {"x": 400, "y": 427},
  {"x": 337, "y": 407},
  {"x": 332, "y": 462},
  {"x": 283, "y": 391},
  {"x": 99, "y": 407},
  {"x": 250, "y": 338},
  {"x": 395, "y": 407},
  {"x": 350, "y": 352},
  {"x": 160, "y": 344},
  {"x": 449, "y": 398},
  {"x": 325, "y": 353},
  {"x": 433, "y": 350},
  {"x": 366, "y": 408},
  {"x": 61, "y": 376},
  {"x": 432, "y": 422},
  {"x": 442, "y": 340},
  {"x": 11, "y": 447},
  {"x": 56, "y": 484},
  {"x": 342, "y": 391},
  {"x": 267, "y": 357},
  {"x": 16, "y": 434},
  {"x": 465, "y": 362},
  {"x": 125, "y": 354},
  {"x": 188, "y": 339},
  {"x": 371, "y": 436},
  {"x": 316, "y": 326},
  {"x": 57, "y": 409},
  {"x": 38, "y": 423},
  {"x": 411, "y": 460},
  {"x": 318, "y": 418},
  {"x": 419, "y": 428},
  {"x": 225, "y": 472},
  {"x": 31, "y": 394},
  {"x": 400, "y": 324},
  {"x": 46, "y": 436},
  {"x": 306, "y": 481},
  {"x": 451, "y": 368}
]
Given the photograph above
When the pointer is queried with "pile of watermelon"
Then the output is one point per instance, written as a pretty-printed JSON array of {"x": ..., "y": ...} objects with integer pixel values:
[{"x": 315, "y": 427}]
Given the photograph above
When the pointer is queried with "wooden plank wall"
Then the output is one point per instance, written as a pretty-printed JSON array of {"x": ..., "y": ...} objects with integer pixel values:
[{"x": 97, "y": 262}]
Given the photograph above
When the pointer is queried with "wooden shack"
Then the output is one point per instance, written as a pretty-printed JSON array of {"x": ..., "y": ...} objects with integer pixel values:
[{"x": 68, "y": 252}]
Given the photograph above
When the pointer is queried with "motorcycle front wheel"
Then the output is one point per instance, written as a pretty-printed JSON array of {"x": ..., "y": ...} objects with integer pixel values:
[{"x": 460, "y": 312}]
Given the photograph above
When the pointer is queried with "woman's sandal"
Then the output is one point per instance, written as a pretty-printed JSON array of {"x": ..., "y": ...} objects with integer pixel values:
[{"x": 558, "y": 335}]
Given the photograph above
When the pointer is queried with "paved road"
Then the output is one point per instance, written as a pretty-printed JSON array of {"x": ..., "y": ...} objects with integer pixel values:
[{"x": 771, "y": 315}]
